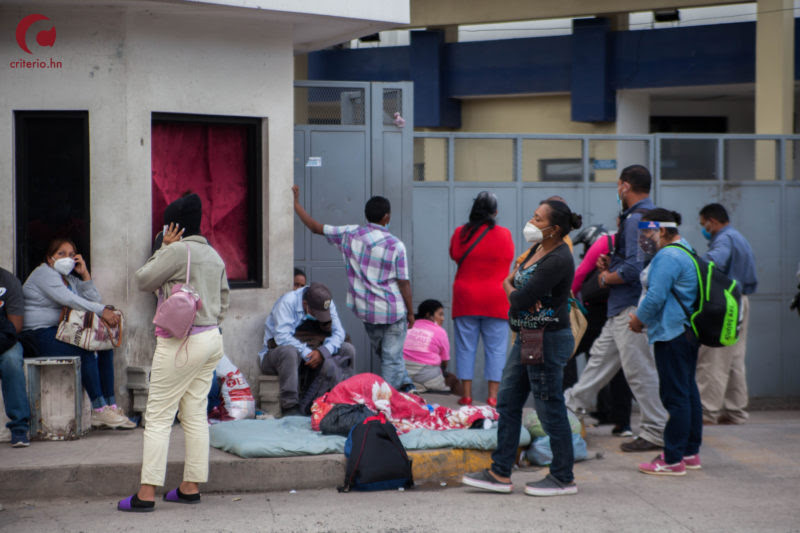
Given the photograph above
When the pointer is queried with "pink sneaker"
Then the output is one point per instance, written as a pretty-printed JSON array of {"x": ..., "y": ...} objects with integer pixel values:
[
  {"x": 692, "y": 462},
  {"x": 660, "y": 468}
]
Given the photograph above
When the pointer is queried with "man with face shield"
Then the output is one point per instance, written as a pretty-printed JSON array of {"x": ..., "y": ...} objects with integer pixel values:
[
  {"x": 617, "y": 346},
  {"x": 671, "y": 286}
]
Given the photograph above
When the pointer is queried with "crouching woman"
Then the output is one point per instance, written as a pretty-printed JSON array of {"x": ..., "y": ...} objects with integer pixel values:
[{"x": 182, "y": 368}]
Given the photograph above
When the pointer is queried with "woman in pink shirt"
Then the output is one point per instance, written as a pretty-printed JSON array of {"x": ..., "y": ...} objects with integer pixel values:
[{"x": 427, "y": 349}]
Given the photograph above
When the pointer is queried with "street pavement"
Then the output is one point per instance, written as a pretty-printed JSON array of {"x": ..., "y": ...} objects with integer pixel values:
[{"x": 750, "y": 482}]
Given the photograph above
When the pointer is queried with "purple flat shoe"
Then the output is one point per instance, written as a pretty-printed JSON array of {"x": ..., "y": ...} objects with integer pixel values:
[
  {"x": 176, "y": 496},
  {"x": 132, "y": 504}
]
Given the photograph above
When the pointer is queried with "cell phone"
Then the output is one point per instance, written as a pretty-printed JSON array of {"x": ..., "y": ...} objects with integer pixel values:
[{"x": 164, "y": 229}]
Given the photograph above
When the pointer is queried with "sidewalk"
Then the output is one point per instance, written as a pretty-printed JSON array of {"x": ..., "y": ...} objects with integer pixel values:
[{"x": 107, "y": 463}]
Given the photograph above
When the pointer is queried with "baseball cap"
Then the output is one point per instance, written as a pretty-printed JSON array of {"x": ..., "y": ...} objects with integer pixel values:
[{"x": 319, "y": 301}]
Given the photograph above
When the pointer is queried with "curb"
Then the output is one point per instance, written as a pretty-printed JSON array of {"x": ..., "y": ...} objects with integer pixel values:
[{"x": 233, "y": 474}]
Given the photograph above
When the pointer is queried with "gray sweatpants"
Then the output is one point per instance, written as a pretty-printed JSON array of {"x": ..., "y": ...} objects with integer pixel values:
[
  {"x": 285, "y": 361},
  {"x": 619, "y": 347}
]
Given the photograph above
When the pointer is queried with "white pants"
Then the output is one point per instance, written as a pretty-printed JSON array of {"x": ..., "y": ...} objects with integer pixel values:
[
  {"x": 721, "y": 377},
  {"x": 185, "y": 387},
  {"x": 619, "y": 347}
]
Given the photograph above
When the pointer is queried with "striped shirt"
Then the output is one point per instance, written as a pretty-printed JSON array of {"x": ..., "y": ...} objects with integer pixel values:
[{"x": 374, "y": 259}]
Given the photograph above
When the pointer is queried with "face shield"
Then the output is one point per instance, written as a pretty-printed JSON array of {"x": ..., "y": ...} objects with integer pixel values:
[{"x": 648, "y": 238}]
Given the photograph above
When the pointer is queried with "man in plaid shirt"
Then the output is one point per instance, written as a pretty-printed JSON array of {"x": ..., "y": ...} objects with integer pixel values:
[{"x": 379, "y": 289}]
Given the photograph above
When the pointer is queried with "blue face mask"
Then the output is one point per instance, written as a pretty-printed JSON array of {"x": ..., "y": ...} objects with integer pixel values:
[
  {"x": 706, "y": 234},
  {"x": 387, "y": 225},
  {"x": 310, "y": 317}
]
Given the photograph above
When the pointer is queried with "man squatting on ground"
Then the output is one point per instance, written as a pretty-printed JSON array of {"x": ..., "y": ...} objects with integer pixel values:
[{"x": 283, "y": 352}]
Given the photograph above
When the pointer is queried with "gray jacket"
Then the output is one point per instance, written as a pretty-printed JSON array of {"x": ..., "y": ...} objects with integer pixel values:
[
  {"x": 45, "y": 295},
  {"x": 167, "y": 267}
]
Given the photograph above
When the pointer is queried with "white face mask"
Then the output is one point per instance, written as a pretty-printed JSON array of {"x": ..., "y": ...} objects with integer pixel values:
[
  {"x": 64, "y": 266},
  {"x": 532, "y": 234}
]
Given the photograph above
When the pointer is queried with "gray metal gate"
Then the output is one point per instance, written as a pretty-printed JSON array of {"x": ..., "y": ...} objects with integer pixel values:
[
  {"x": 348, "y": 148},
  {"x": 756, "y": 177}
]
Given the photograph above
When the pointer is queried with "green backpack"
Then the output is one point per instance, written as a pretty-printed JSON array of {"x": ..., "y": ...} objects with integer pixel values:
[{"x": 717, "y": 319}]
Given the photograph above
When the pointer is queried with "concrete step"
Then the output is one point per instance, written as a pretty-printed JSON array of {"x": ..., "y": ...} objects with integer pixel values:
[{"x": 108, "y": 464}]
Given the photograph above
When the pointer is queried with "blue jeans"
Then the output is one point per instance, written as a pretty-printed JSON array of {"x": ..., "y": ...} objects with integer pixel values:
[
  {"x": 545, "y": 382},
  {"x": 97, "y": 368},
  {"x": 15, "y": 396},
  {"x": 676, "y": 361},
  {"x": 494, "y": 331},
  {"x": 387, "y": 342},
  {"x": 214, "y": 393}
]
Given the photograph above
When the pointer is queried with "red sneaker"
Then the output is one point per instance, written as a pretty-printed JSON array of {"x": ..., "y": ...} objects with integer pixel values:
[
  {"x": 465, "y": 400},
  {"x": 659, "y": 467},
  {"x": 491, "y": 402},
  {"x": 692, "y": 462}
]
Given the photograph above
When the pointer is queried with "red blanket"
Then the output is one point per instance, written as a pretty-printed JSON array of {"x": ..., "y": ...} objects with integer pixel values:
[{"x": 404, "y": 411}]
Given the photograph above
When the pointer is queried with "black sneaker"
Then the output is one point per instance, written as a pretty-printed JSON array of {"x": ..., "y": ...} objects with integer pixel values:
[
  {"x": 639, "y": 445},
  {"x": 409, "y": 388},
  {"x": 486, "y": 481},
  {"x": 622, "y": 431}
]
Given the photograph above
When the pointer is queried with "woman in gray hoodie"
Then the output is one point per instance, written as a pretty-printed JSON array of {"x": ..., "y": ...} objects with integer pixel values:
[{"x": 182, "y": 368}]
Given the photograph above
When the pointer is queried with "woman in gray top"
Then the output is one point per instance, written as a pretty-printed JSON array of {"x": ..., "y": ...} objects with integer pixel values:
[
  {"x": 182, "y": 367},
  {"x": 63, "y": 280}
]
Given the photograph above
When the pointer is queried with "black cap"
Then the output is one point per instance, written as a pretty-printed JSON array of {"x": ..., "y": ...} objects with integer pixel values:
[
  {"x": 319, "y": 300},
  {"x": 187, "y": 212}
]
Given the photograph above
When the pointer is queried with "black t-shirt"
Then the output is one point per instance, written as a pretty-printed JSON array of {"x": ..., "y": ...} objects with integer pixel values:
[
  {"x": 547, "y": 281},
  {"x": 13, "y": 299}
]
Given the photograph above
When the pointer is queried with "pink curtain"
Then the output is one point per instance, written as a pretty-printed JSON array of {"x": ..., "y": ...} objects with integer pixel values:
[{"x": 210, "y": 160}]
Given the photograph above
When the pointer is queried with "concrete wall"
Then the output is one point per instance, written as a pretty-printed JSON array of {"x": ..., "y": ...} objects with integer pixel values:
[{"x": 121, "y": 66}]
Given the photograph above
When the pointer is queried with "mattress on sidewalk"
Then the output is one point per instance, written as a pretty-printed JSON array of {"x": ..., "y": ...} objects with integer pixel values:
[{"x": 293, "y": 436}]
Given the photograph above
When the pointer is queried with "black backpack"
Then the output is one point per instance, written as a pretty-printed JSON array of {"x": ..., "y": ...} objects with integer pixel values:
[
  {"x": 717, "y": 319},
  {"x": 376, "y": 459}
]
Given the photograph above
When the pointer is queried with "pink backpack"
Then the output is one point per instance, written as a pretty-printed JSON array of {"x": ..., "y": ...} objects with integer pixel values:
[{"x": 176, "y": 314}]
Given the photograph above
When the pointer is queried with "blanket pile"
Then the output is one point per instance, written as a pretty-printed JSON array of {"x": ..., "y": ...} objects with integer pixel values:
[{"x": 404, "y": 411}]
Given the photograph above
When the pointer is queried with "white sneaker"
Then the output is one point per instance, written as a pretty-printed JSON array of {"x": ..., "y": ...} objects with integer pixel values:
[
  {"x": 107, "y": 418},
  {"x": 129, "y": 424}
]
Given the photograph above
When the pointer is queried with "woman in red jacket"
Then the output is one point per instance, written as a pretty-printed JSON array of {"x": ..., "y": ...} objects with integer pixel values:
[{"x": 483, "y": 251}]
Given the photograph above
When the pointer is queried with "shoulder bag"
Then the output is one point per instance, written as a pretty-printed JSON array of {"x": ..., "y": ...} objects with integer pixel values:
[{"x": 86, "y": 330}]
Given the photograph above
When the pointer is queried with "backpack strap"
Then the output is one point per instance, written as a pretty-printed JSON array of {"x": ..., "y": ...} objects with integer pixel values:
[
  {"x": 188, "y": 261},
  {"x": 610, "y": 244},
  {"x": 692, "y": 255},
  {"x": 482, "y": 235}
]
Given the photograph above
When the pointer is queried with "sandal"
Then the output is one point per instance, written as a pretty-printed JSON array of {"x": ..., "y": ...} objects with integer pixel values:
[
  {"x": 132, "y": 504},
  {"x": 176, "y": 496},
  {"x": 465, "y": 400}
]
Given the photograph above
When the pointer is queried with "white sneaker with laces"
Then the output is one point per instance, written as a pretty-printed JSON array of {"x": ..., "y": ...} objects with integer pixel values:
[
  {"x": 128, "y": 424},
  {"x": 106, "y": 417}
]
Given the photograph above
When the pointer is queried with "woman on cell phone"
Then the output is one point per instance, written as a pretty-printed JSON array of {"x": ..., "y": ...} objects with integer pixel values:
[
  {"x": 64, "y": 280},
  {"x": 182, "y": 368}
]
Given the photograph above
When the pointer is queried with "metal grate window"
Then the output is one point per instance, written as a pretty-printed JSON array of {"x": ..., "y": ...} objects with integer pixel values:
[
  {"x": 331, "y": 106},
  {"x": 392, "y": 103}
]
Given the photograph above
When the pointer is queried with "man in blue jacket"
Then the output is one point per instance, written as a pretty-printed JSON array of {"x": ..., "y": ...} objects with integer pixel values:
[
  {"x": 720, "y": 371},
  {"x": 671, "y": 275},
  {"x": 617, "y": 346}
]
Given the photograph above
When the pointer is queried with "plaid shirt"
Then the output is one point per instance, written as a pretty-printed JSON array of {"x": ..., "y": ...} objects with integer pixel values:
[{"x": 375, "y": 259}]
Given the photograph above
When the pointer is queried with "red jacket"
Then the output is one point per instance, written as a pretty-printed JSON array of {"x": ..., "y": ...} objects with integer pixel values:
[{"x": 478, "y": 287}]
